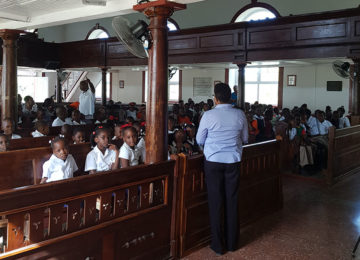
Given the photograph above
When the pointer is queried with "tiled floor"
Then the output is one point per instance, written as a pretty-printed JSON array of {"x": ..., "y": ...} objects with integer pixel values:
[{"x": 316, "y": 223}]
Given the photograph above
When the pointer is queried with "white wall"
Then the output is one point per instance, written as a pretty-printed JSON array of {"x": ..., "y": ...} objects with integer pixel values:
[
  {"x": 199, "y": 14},
  {"x": 132, "y": 91},
  {"x": 52, "y": 82},
  {"x": 311, "y": 88},
  {"x": 188, "y": 78}
]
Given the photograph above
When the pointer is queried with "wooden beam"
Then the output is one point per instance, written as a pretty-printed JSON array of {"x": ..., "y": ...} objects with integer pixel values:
[
  {"x": 157, "y": 100},
  {"x": 281, "y": 87},
  {"x": 9, "y": 100}
]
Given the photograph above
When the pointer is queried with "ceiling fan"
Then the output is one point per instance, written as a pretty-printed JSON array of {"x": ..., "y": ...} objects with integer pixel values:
[{"x": 342, "y": 69}]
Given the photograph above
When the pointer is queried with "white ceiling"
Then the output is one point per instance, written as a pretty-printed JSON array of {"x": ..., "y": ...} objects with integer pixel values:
[{"x": 31, "y": 14}]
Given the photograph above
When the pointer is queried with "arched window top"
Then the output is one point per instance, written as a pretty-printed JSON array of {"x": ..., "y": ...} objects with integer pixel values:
[
  {"x": 172, "y": 25},
  {"x": 97, "y": 32},
  {"x": 255, "y": 12}
]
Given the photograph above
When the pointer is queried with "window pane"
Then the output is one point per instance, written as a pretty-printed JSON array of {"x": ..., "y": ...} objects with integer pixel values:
[
  {"x": 37, "y": 87},
  {"x": 261, "y": 15},
  {"x": 269, "y": 74},
  {"x": 175, "y": 77},
  {"x": 174, "y": 92},
  {"x": 268, "y": 94},
  {"x": 233, "y": 77},
  {"x": 251, "y": 74},
  {"x": 171, "y": 26},
  {"x": 251, "y": 93},
  {"x": 98, "y": 88}
]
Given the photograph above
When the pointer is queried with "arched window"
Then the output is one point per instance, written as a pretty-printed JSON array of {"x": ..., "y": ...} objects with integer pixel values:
[
  {"x": 97, "y": 32},
  {"x": 172, "y": 25},
  {"x": 255, "y": 12}
]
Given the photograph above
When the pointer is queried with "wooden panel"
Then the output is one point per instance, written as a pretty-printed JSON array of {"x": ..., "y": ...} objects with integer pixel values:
[
  {"x": 270, "y": 36},
  {"x": 321, "y": 31},
  {"x": 217, "y": 41},
  {"x": 357, "y": 28},
  {"x": 183, "y": 44}
]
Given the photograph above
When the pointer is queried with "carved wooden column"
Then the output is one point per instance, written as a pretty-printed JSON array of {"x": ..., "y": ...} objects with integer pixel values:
[
  {"x": 356, "y": 88},
  {"x": 9, "y": 75},
  {"x": 103, "y": 86},
  {"x": 157, "y": 98},
  {"x": 58, "y": 87},
  {"x": 241, "y": 86}
]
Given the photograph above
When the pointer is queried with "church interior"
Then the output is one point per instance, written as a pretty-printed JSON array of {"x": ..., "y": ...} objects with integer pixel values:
[{"x": 151, "y": 65}]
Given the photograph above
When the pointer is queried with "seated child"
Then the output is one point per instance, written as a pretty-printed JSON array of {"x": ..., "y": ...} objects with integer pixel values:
[
  {"x": 40, "y": 115},
  {"x": 104, "y": 156},
  {"x": 130, "y": 153},
  {"x": 191, "y": 140},
  {"x": 41, "y": 129},
  {"x": 61, "y": 117},
  {"x": 8, "y": 128},
  {"x": 78, "y": 136},
  {"x": 61, "y": 164},
  {"x": 4, "y": 143},
  {"x": 100, "y": 116},
  {"x": 141, "y": 138},
  {"x": 65, "y": 132},
  {"x": 76, "y": 118},
  {"x": 178, "y": 145}
]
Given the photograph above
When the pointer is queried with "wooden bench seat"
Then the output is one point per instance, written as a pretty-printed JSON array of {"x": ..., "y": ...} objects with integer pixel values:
[
  {"x": 24, "y": 167},
  {"x": 121, "y": 214},
  {"x": 260, "y": 194}
]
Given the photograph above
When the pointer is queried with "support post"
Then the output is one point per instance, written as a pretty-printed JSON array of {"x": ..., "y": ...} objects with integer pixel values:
[
  {"x": 103, "y": 86},
  {"x": 356, "y": 88},
  {"x": 241, "y": 86},
  {"x": 9, "y": 100},
  {"x": 157, "y": 99},
  {"x": 58, "y": 88}
]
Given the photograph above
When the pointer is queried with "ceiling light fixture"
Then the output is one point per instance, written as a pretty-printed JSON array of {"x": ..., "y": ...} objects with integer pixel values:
[
  {"x": 94, "y": 2},
  {"x": 15, "y": 17}
]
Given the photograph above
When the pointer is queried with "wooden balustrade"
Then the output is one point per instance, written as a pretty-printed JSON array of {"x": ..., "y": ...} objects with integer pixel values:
[
  {"x": 260, "y": 194},
  {"x": 126, "y": 213}
]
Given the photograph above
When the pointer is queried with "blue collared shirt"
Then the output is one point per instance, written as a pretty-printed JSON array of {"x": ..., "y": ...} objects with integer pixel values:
[{"x": 222, "y": 131}]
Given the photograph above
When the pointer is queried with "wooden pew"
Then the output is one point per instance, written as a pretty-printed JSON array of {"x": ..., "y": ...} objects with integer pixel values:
[
  {"x": 343, "y": 153},
  {"x": 30, "y": 142},
  {"x": 260, "y": 194},
  {"x": 122, "y": 214},
  {"x": 24, "y": 167}
]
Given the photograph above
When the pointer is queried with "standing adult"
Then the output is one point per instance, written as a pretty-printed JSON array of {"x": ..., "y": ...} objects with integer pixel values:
[
  {"x": 87, "y": 99},
  {"x": 222, "y": 131}
]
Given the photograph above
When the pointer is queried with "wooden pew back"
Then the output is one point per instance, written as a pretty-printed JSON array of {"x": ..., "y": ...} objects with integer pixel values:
[
  {"x": 29, "y": 142},
  {"x": 120, "y": 214},
  {"x": 24, "y": 167},
  {"x": 260, "y": 194},
  {"x": 343, "y": 153}
]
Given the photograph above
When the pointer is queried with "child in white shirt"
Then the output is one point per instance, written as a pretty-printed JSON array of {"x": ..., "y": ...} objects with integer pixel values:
[
  {"x": 61, "y": 117},
  {"x": 130, "y": 153},
  {"x": 76, "y": 118},
  {"x": 61, "y": 164},
  {"x": 42, "y": 129},
  {"x": 104, "y": 156},
  {"x": 78, "y": 136},
  {"x": 8, "y": 127}
]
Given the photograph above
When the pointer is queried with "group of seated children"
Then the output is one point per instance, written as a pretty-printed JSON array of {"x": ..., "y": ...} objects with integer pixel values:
[{"x": 104, "y": 156}]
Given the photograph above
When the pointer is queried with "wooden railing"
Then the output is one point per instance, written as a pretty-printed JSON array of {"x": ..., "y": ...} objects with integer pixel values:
[
  {"x": 343, "y": 153},
  {"x": 121, "y": 214},
  {"x": 260, "y": 194}
]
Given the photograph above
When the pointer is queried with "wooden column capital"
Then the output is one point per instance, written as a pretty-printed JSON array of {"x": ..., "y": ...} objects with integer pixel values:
[{"x": 10, "y": 35}]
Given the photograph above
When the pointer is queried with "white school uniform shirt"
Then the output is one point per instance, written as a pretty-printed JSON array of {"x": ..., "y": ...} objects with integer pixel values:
[
  {"x": 15, "y": 136},
  {"x": 141, "y": 145},
  {"x": 76, "y": 123},
  {"x": 56, "y": 169},
  {"x": 318, "y": 128},
  {"x": 101, "y": 122},
  {"x": 87, "y": 103},
  {"x": 133, "y": 155},
  {"x": 59, "y": 122},
  {"x": 36, "y": 133},
  {"x": 131, "y": 113},
  {"x": 344, "y": 122},
  {"x": 96, "y": 160}
]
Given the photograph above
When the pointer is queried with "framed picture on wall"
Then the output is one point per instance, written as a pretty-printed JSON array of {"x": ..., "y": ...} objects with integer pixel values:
[
  {"x": 121, "y": 84},
  {"x": 216, "y": 82},
  {"x": 291, "y": 80}
]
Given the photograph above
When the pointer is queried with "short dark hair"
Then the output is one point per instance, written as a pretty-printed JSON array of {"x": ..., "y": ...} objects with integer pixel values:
[
  {"x": 222, "y": 92},
  {"x": 58, "y": 139}
]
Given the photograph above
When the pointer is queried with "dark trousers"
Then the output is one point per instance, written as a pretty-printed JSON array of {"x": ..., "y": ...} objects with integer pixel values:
[{"x": 222, "y": 180}]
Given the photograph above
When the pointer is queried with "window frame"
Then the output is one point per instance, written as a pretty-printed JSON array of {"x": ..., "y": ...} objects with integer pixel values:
[
  {"x": 96, "y": 27},
  {"x": 253, "y": 5}
]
